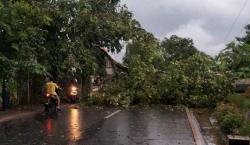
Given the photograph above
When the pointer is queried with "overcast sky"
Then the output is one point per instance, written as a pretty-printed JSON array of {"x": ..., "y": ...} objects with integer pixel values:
[{"x": 207, "y": 22}]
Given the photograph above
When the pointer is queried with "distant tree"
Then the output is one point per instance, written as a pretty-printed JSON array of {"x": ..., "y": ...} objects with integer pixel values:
[
  {"x": 246, "y": 38},
  {"x": 236, "y": 56}
]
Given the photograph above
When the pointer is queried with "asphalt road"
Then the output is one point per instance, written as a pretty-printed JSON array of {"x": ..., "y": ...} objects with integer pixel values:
[{"x": 100, "y": 126}]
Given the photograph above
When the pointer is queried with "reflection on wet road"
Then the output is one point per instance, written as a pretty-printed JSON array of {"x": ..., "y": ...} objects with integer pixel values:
[
  {"x": 75, "y": 126},
  {"x": 67, "y": 127},
  {"x": 49, "y": 126},
  {"x": 72, "y": 125}
]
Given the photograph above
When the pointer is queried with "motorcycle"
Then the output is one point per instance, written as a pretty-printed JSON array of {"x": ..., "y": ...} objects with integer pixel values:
[
  {"x": 73, "y": 94},
  {"x": 51, "y": 104}
]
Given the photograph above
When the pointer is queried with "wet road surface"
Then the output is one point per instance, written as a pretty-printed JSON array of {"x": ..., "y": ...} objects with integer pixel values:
[{"x": 87, "y": 126}]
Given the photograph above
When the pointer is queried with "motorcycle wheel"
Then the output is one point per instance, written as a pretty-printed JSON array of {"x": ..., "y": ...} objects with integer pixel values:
[
  {"x": 52, "y": 108},
  {"x": 74, "y": 99}
]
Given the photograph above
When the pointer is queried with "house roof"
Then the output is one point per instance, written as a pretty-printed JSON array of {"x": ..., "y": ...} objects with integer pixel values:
[
  {"x": 243, "y": 81},
  {"x": 114, "y": 62}
]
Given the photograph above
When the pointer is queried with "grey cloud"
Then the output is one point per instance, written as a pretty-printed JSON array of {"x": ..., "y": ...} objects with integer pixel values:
[{"x": 211, "y": 18}]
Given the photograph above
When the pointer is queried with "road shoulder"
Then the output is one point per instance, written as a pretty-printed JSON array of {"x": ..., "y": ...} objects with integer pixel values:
[
  {"x": 14, "y": 114},
  {"x": 199, "y": 139}
]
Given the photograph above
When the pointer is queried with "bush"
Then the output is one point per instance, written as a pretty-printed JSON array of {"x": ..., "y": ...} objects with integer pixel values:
[
  {"x": 245, "y": 129},
  {"x": 230, "y": 118},
  {"x": 239, "y": 100},
  {"x": 231, "y": 122}
]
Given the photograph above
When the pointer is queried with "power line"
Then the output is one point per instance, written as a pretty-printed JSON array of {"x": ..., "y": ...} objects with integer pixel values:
[{"x": 236, "y": 19}]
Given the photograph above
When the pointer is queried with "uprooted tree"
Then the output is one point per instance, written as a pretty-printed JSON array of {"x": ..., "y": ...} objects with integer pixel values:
[{"x": 166, "y": 74}]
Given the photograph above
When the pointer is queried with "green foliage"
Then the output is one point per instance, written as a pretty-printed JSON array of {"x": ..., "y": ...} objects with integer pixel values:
[
  {"x": 194, "y": 81},
  {"x": 35, "y": 34},
  {"x": 167, "y": 74},
  {"x": 142, "y": 57},
  {"x": 246, "y": 38},
  {"x": 42, "y": 37},
  {"x": 81, "y": 28},
  {"x": 54, "y": 36},
  {"x": 245, "y": 129},
  {"x": 176, "y": 48},
  {"x": 114, "y": 94},
  {"x": 235, "y": 57},
  {"x": 21, "y": 36},
  {"x": 232, "y": 115},
  {"x": 229, "y": 117},
  {"x": 230, "y": 122},
  {"x": 239, "y": 100},
  {"x": 186, "y": 79}
]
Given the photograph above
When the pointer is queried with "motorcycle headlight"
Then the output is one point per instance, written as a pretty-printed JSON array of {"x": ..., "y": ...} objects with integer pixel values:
[{"x": 73, "y": 89}]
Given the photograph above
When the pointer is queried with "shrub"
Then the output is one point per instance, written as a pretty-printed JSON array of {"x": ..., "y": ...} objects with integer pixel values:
[
  {"x": 231, "y": 122},
  {"x": 230, "y": 118},
  {"x": 245, "y": 129},
  {"x": 239, "y": 100}
]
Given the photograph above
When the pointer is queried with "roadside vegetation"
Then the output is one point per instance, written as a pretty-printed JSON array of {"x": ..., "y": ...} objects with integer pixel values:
[
  {"x": 171, "y": 72},
  {"x": 233, "y": 113}
]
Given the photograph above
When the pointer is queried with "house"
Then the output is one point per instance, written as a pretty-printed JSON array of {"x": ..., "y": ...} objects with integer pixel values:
[
  {"x": 243, "y": 86},
  {"x": 112, "y": 67},
  {"x": 113, "y": 70}
]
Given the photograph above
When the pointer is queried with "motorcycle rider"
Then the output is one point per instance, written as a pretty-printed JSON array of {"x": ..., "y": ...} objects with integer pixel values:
[{"x": 51, "y": 89}]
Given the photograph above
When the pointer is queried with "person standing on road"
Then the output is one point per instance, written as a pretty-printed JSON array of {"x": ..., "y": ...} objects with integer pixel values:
[{"x": 5, "y": 96}]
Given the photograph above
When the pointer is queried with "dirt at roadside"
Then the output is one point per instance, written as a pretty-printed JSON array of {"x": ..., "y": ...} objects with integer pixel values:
[{"x": 210, "y": 134}]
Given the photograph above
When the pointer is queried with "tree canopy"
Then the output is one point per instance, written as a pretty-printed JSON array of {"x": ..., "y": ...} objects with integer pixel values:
[
  {"x": 235, "y": 57},
  {"x": 52, "y": 37},
  {"x": 43, "y": 35},
  {"x": 176, "y": 48}
]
